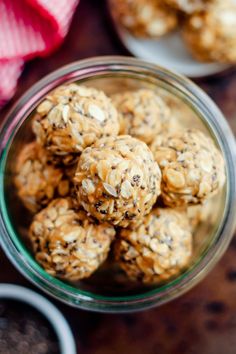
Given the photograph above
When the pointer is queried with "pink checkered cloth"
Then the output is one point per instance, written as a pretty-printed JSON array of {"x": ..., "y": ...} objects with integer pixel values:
[{"x": 29, "y": 28}]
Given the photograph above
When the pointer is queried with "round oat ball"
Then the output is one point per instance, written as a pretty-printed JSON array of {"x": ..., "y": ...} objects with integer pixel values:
[
  {"x": 117, "y": 180},
  {"x": 181, "y": 115},
  {"x": 145, "y": 18},
  {"x": 201, "y": 213},
  {"x": 68, "y": 244},
  {"x": 192, "y": 167},
  {"x": 190, "y": 6},
  {"x": 210, "y": 34},
  {"x": 71, "y": 118},
  {"x": 37, "y": 181},
  {"x": 158, "y": 249},
  {"x": 142, "y": 114}
]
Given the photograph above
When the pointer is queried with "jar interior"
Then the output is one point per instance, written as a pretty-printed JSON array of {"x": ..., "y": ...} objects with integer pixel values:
[{"x": 109, "y": 280}]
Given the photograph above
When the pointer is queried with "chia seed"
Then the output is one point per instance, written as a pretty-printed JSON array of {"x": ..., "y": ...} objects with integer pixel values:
[{"x": 25, "y": 330}]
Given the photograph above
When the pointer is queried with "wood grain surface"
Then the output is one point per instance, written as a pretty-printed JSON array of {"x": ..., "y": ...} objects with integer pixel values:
[{"x": 203, "y": 321}]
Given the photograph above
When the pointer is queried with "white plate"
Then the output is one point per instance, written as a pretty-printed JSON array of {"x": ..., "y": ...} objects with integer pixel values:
[{"x": 169, "y": 52}]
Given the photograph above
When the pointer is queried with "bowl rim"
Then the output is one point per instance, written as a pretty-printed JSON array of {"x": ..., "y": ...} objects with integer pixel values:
[
  {"x": 219, "y": 126},
  {"x": 47, "y": 309}
]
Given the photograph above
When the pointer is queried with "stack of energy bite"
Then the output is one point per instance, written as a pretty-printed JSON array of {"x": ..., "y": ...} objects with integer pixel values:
[
  {"x": 116, "y": 175},
  {"x": 207, "y": 26}
]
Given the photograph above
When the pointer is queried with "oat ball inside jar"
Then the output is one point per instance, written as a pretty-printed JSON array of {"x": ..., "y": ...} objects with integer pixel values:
[
  {"x": 201, "y": 213},
  {"x": 192, "y": 167},
  {"x": 158, "y": 249},
  {"x": 117, "y": 180},
  {"x": 142, "y": 113},
  {"x": 210, "y": 34},
  {"x": 71, "y": 118},
  {"x": 67, "y": 243},
  {"x": 145, "y": 18},
  {"x": 37, "y": 181}
]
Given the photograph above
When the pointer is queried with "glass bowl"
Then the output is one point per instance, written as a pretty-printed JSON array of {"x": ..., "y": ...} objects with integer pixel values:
[{"x": 108, "y": 290}]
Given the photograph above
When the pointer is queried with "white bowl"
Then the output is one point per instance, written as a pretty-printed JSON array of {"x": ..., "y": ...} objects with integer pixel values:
[
  {"x": 169, "y": 52},
  {"x": 45, "y": 307}
]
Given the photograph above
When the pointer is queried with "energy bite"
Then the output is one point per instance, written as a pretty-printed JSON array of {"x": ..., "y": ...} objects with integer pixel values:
[
  {"x": 198, "y": 214},
  {"x": 145, "y": 18},
  {"x": 158, "y": 249},
  {"x": 37, "y": 181},
  {"x": 117, "y": 180},
  {"x": 71, "y": 118},
  {"x": 92, "y": 188},
  {"x": 192, "y": 167},
  {"x": 181, "y": 115},
  {"x": 68, "y": 244},
  {"x": 210, "y": 34},
  {"x": 142, "y": 113}
]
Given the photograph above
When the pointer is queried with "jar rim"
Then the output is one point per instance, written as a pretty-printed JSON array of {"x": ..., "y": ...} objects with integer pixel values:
[{"x": 216, "y": 123}]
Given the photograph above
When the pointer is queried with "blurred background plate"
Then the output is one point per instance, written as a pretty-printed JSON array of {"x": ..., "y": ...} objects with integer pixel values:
[{"x": 169, "y": 52}]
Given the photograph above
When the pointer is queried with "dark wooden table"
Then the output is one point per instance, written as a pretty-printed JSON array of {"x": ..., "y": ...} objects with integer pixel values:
[{"x": 203, "y": 320}]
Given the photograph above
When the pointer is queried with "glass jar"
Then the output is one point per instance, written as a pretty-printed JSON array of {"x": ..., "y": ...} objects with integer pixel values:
[{"x": 107, "y": 291}]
